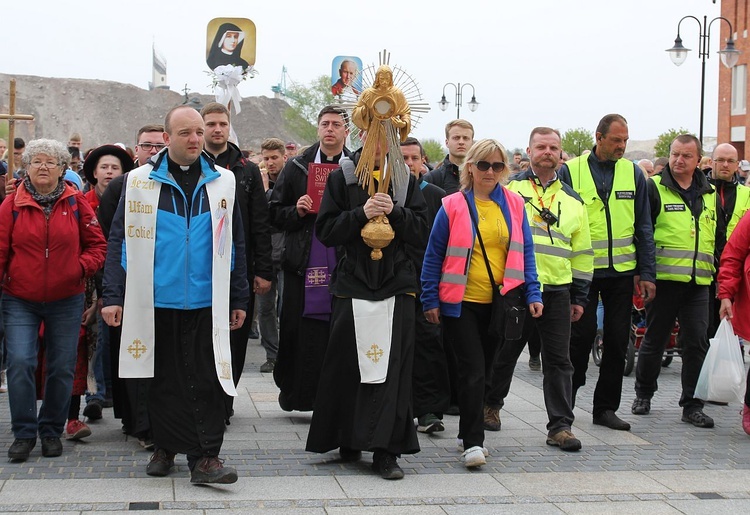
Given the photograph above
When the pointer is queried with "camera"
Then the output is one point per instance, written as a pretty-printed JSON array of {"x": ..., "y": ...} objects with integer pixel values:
[{"x": 548, "y": 216}]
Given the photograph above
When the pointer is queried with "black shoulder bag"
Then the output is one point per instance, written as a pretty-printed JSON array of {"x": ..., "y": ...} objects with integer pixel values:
[{"x": 508, "y": 311}]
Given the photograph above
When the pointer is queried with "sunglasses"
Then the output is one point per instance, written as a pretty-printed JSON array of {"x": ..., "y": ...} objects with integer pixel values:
[{"x": 483, "y": 166}]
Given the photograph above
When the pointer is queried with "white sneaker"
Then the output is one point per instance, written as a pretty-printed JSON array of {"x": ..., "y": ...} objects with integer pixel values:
[
  {"x": 474, "y": 457},
  {"x": 460, "y": 447},
  {"x": 3, "y": 382}
]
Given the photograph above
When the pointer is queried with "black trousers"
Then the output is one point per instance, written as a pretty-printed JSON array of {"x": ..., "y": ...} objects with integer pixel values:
[
  {"x": 617, "y": 297},
  {"x": 689, "y": 303},
  {"x": 551, "y": 332},
  {"x": 474, "y": 351},
  {"x": 430, "y": 383}
]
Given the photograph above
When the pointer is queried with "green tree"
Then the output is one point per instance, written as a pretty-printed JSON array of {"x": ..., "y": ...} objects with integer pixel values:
[
  {"x": 434, "y": 150},
  {"x": 305, "y": 103},
  {"x": 665, "y": 139},
  {"x": 575, "y": 141}
]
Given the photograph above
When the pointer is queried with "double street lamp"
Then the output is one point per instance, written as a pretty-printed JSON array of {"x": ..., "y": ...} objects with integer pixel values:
[
  {"x": 473, "y": 104},
  {"x": 729, "y": 55}
]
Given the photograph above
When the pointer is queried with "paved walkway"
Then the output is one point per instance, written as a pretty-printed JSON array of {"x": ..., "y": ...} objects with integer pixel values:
[{"x": 661, "y": 466}]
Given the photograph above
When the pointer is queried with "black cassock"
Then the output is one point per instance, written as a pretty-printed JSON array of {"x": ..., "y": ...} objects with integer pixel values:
[{"x": 348, "y": 413}]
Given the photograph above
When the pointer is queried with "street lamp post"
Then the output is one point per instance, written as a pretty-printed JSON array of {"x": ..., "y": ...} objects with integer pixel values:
[
  {"x": 473, "y": 104},
  {"x": 729, "y": 55}
]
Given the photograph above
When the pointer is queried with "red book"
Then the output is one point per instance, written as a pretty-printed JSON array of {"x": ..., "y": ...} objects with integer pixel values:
[{"x": 317, "y": 176}]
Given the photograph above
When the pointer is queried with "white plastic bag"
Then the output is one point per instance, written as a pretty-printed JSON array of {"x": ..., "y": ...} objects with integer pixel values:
[{"x": 722, "y": 377}]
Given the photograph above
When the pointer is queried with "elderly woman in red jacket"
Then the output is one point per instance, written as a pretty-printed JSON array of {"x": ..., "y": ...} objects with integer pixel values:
[
  {"x": 50, "y": 242},
  {"x": 734, "y": 292}
]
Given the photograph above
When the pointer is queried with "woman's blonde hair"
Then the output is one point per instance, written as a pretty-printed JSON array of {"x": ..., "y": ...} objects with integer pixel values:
[{"x": 480, "y": 151}]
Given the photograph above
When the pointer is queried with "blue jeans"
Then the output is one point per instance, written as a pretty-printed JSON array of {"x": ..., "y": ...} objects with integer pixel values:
[{"x": 62, "y": 321}]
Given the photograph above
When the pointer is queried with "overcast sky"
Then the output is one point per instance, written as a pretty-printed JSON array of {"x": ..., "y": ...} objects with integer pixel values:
[{"x": 562, "y": 63}]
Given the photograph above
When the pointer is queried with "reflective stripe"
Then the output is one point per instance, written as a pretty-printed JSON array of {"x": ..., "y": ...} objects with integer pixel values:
[
  {"x": 454, "y": 278},
  {"x": 516, "y": 245},
  {"x": 586, "y": 276},
  {"x": 676, "y": 254},
  {"x": 584, "y": 252},
  {"x": 552, "y": 251},
  {"x": 514, "y": 274},
  {"x": 603, "y": 261},
  {"x": 623, "y": 258},
  {"x": 682, "y": 270},
  {"x": 599, "y": 244},
  {"x": 685, "y": 254},
  {"x": 538, "y": 231},
  {"x": 461, "y": 252},
  {"x": 617, "y": 242}
]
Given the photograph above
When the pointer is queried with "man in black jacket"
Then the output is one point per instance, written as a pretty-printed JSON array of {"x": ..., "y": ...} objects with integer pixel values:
[
  {"x": 459, "y": 136},
  {"x": 303, "y": 334},
  {"x": 431, "y": 386},
  {"x": 254, "y": 209}
]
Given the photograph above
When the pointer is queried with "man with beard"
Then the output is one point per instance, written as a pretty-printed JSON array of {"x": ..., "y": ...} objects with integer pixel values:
[
  {"x": 565, "y": 264},
  {"x": 733, "y": 201},
  {"x": 178, "y": 233},
  {"x": 614, "y": 192},
  {"x": 253, "y": 206}
]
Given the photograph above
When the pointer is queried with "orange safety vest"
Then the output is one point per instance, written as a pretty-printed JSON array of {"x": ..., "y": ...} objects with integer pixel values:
[{"x": 461, "y": 236}]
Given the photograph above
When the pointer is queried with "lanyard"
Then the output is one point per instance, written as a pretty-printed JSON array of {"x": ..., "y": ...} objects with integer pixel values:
[{"x": 538, "y": 197}]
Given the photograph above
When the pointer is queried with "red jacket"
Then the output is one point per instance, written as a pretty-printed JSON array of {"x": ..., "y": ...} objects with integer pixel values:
[
  {"x": 47, "y": 260},
  {"x": 734, "y": 276}
]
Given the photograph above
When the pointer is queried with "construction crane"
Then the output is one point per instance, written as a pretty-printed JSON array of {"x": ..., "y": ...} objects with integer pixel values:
[{"x": 280, "y": 90}]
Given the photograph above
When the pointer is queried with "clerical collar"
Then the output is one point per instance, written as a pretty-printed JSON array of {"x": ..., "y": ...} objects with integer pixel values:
[
  {"x": 175, "y": 168},
  {"x": 328, "y": 159}
]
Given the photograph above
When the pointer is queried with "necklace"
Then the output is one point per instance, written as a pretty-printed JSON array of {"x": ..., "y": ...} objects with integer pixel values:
[{"x": 483, "y": 213}]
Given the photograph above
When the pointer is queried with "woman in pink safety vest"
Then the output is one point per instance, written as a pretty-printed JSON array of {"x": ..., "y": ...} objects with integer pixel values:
[{"x": 456, "y": 284}]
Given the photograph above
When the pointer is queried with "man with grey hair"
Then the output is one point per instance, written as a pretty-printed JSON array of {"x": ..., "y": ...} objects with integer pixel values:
[{"x": 647, "y": 166}]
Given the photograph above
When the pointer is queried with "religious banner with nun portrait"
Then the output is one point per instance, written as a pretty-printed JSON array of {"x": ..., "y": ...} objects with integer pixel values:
[
  {"x": 230, "y": 54},
  {"x": 346, "y": 77}
]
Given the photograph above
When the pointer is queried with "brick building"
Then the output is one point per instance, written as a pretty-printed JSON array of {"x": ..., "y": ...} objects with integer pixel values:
[{"x": 734, "y": 95}]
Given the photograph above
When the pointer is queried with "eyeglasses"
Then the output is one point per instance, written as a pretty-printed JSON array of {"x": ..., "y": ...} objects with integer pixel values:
[
  {"x": 49, "y": 164},
  {"x": 483, "y": 166},
  {"x": 721, "y": 161},
  {"x": 148, "y": 146}
]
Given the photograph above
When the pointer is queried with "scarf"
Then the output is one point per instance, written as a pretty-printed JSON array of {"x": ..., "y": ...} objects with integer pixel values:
[{"x": 46, "y": 201}]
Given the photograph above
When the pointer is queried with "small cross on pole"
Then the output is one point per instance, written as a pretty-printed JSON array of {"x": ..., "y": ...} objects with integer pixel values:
[{"x": 12, "y": 116}]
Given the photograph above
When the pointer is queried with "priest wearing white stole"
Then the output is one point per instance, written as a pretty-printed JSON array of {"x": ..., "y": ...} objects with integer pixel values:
[
  {"x": 178, "y": 234},
  {"x": 364, "y": 399}
]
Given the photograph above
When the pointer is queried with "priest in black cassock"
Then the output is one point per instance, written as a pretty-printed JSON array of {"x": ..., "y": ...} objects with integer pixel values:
[{"x": 364, "y": 399}]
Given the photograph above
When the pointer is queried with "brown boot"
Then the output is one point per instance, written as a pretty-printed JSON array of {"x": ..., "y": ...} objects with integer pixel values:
[
  {"x": 211, "y": 469},
  {"x": 492, "y": 419}
]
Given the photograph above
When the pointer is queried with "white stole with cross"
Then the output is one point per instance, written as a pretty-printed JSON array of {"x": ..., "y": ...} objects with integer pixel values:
[
  {"x": 138, "y": 327},
  {"x": 373, "y": 327}
]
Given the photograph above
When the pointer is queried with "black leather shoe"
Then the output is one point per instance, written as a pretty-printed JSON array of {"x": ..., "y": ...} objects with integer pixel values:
[
  {"x": 609, "y": 419},
  {"x": 385, "y": 464},
  {"x": 21, "y": 448},
  {"x": 349, "y": 455},
  {"x": 51, "y": 447},
  {"x": 93, "y": 409},
  {"x": 161, "y": 463}
]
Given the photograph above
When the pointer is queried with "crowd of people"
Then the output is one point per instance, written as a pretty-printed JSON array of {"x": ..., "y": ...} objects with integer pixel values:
[{"x": 132, "y": 277}]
